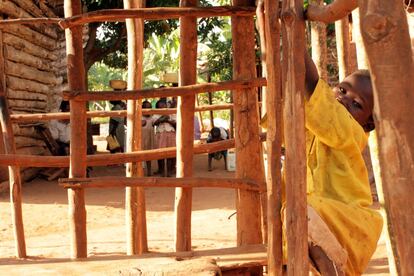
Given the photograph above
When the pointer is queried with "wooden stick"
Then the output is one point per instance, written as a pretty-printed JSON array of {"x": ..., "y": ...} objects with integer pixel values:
[
  {"x": 29, "y": 21},
  {"x": 186, "y": 90},
  {"x": 109, "y": 159},
  {"x": 14, "y": 171},
  {"x": 185, "y": 127},
  {"x": 274, "y": 139},
  {"x": 318, "y": 44},
  {"x": 136, "y": 224},
  {"x": 249, "y": 159},
  {"x": 20, "y": 118},
  {"x": 329, "y": 13},
  {"x": 260, "y": 26},
  {"x": 392, "y": 70},
  {"x": 342, "y": 47},
  {"x": 186, "y": 182},
  {"x": 76, "y": 81},
  {"x": 155, "y": 14},
  {"x": 293, "y": 34},
  {"x": 361, "y": 55}
]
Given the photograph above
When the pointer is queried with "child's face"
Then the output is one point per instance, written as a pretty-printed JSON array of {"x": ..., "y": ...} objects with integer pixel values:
[{"x": 355, "y": 93}]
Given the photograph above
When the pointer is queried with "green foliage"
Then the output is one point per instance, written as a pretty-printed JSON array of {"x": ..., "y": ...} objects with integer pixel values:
[
  {"x": 99, "y": 76},
  {"x": 161, "y": 56}
]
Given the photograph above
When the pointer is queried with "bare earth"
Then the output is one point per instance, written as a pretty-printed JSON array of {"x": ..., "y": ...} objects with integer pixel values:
[{"x": 46, "y": 224}]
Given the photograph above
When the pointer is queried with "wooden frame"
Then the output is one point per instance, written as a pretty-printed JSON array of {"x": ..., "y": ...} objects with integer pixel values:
[
  {"x": 293, "y": 73},
  {"x": 136, "y": 223},
  {"x": 76, "y": 81}
]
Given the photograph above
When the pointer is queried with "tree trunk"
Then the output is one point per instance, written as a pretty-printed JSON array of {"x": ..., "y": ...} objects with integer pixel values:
[{"x": 386, "y": 38}]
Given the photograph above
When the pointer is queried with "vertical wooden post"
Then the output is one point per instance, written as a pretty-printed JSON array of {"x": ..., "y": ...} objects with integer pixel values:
[
  {"x": 294, "y": 132},
  {"x": 342, "y": 47},
  {"x": 318, "y": 43},
  {"x": 185, "y": 128},
  {"x": 136, "y": 224},
  {"x": 249, "y": 159},
  {"x": 362, "y": 61},
  {"x": 15, "y": 181},
  {"x": 384, "y": 30},
  {"x": 76, "y": 81},
  {"x": 274, "y": 139}
]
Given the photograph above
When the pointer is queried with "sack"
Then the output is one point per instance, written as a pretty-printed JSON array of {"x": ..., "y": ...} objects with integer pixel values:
[{"x": 113, "y": 143}]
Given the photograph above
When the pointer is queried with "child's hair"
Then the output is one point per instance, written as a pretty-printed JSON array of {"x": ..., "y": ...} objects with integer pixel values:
[{"x": 363, "y": 73}]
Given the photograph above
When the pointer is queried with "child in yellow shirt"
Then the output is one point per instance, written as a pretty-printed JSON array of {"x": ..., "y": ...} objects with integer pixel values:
[{"x": 343, "y": 229}]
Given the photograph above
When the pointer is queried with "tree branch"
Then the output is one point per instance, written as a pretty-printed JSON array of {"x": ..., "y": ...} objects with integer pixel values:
[
  {"x": 94, "y": 53},
  {"x": 332, "y": 12}
]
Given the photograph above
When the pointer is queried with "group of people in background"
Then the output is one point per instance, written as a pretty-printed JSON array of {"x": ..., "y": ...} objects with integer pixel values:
[{"x": 158, "y": 131}]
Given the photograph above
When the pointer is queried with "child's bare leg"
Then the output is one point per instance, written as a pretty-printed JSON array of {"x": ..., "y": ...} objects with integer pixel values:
[
  {"x": 324, "y": 265},
  {"x": 148, "y": 168},
  {"x": 209, "y": 163}
]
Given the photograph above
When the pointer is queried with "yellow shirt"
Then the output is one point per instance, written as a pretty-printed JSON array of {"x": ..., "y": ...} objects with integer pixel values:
[{"x": 337, "y": 179}]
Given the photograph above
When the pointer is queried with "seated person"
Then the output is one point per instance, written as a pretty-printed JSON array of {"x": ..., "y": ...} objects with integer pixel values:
[
  {"x": 217, "y": 134},
  {"x": 60, "y": 130}
]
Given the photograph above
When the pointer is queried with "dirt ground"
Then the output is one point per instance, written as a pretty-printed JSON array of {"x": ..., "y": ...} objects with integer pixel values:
[{"x": 46, "y": 221}]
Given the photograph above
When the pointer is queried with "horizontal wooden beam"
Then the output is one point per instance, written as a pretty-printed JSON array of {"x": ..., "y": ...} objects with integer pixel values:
[
  {"x": 162, "y": 92},
  {"x": 20, "y": 118},
  {"x": 187, "y": 182},
  {"x": 109, "y": 159},
  {"x": 155, "y": 14},
  {"x": 24, "y": 160},
  {"x": 29, "y": 21}
]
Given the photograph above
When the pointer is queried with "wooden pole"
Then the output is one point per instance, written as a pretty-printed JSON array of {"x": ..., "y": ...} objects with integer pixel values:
[
  {"x": 156, "y": 14},
  {"x": 343, "y": 47},
  {"x": 35, "y": 117},
  {"x": 110, "y": 159},
  {"x": 249, "y": 159},
  {"x": 294, "y": 136},
  {"x": 362, "y": 60},
  {"x": 392, "y": 69},
  {"x": 185, "y": 128},
  {"x": 15, "y": 181},
  {"x": 164, "y": 92},
  {"x": 187, "y": 182},
  {"x": 76, "y": 81},
  {"x": 318, "y": 44},
  {"x": 136, "y": 224},
  {"x": 274, "y": 139},
  {"x": 260, "y": 25}
]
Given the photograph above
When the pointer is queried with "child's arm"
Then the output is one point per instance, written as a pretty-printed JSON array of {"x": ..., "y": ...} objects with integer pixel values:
[{"x": 311, "y": 76}]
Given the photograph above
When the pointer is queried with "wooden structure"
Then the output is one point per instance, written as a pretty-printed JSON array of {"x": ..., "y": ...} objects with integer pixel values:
[{"x": 378, "y": 34}]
